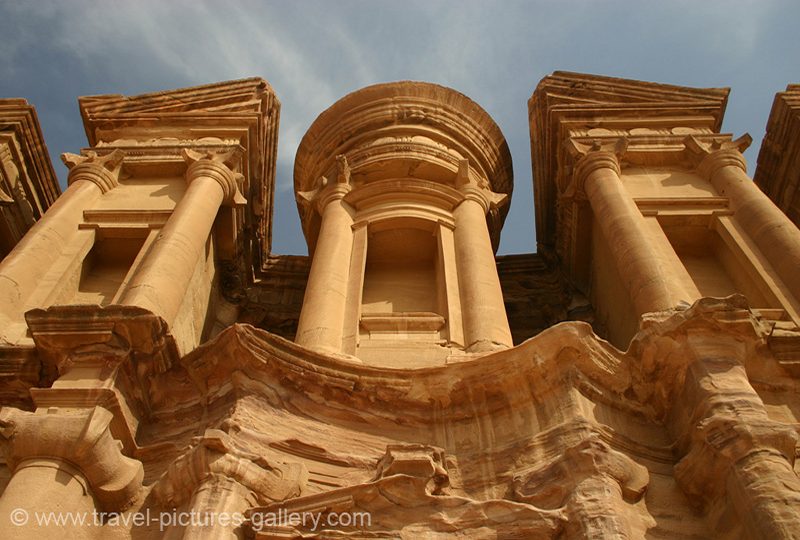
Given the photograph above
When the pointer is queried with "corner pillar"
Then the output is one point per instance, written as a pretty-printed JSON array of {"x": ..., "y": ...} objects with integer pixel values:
[{"x": 737, "y": 461}]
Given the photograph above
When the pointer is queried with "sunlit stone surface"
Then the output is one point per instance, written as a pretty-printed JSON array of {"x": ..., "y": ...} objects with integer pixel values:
[{"x": 635, "y": 378}]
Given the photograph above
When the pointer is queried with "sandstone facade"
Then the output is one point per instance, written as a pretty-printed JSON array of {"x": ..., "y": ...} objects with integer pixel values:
[
  {"x": 28, "y": 185},
  {"x": 778, "y": 172},
  {"x": 635, "y": 378}
]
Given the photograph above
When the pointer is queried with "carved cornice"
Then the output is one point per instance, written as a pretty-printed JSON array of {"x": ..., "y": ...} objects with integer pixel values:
[
  {"x": 10, "y": 172},
  {"x": 566, "y": 366},
  {"x": 411, "y": 109},
  {"x": 25, "y": 147},
  {"x": 103, "y": 171},
  {"x": 404, "y": 130},
  {"x": 778, "y": 171},
  {"x": 653, "y": 117},
  {"x": 81, "y": 439},
  {"x": 154, "y": 128}
]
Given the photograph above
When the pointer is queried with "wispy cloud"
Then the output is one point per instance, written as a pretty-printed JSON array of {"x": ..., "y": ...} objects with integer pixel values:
[{"x": 315, "y": 51}]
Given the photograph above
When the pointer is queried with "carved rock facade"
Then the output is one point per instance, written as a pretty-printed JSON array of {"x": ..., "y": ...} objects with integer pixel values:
[{"x": 636, "y": 378}]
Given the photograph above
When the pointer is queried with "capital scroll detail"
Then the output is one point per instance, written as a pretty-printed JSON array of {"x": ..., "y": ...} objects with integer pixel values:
[
  {"x": 103, "y": 171},
  {"x": 219, "y": 167}
]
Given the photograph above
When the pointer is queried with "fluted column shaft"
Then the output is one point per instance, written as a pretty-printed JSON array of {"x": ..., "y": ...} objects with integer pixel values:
[
  {"x": 482, "y": 308},
  {"x": 644, "y": 271},
  {"x": 774, "y": 233},
  {"x": 321, "y": 320},
  {"x": 161, "y": 283}
]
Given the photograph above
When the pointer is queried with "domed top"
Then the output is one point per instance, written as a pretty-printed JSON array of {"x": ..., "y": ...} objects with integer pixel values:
[{"x": 405, "y": 129}]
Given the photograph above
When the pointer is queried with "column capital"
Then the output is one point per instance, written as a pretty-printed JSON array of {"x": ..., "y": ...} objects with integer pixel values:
[
  {"x": 103, "y": 171},
  {"x": 327, "y": 191},
  {"x": 710, "y": 156},
  {"x": 217, "y": 166},
  {"x": 216, "y": 454},
  {"x": 586, "y": 458},
  {"x": 721, "y": 441},
  {"x": 80, "y": 438},
  {"x": 601, "y": 154},
  {"x": 477, "y": 189}
]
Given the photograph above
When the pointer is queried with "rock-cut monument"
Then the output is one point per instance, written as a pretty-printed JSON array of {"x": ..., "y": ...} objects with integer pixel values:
[{"x": 164, "y": 374}]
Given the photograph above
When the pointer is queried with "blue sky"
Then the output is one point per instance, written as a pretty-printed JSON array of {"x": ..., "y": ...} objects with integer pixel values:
[{"x": 314, "y": 52}]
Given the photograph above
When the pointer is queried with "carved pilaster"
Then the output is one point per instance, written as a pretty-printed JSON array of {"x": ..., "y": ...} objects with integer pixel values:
[
  {"x": 321, "y": 324},
  {"x": 646, "y": 272},
  {"x": 484, "y": 314},
  {"x": 708, "y": 157},
  {"x": 477, "y": 189},
  {"x": 605, "y": 154},
  {"x": 722, "y": 163}
]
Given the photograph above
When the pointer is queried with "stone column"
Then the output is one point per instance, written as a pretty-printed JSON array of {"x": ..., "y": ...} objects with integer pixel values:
[
  {"x": 20, "y": 272},
  {"x": 63, "y": 461},
  {"x": 645, "y": 272},
  {"x": 321, "y": 320},
  {"x": 218, "y": 504},
  {"x": 161, "y": 282},
  {"x": 215, "y": 482},
  {"x": 482, "y": 308},
  {"x": 737, "y": 461},
  {"x": 774, "y": 233},
  {"x": 43, "y": 486}
]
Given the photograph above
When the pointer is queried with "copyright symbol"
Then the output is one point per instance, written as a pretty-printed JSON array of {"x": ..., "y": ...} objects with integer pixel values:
[{"x": 19, "y": 517}]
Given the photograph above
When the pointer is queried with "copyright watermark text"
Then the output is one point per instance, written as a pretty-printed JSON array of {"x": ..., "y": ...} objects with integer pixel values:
[{"x": 312, "y": 521}]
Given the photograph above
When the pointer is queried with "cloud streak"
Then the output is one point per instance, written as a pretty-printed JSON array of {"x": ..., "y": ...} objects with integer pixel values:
[{"x": 313, "y": 52}]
